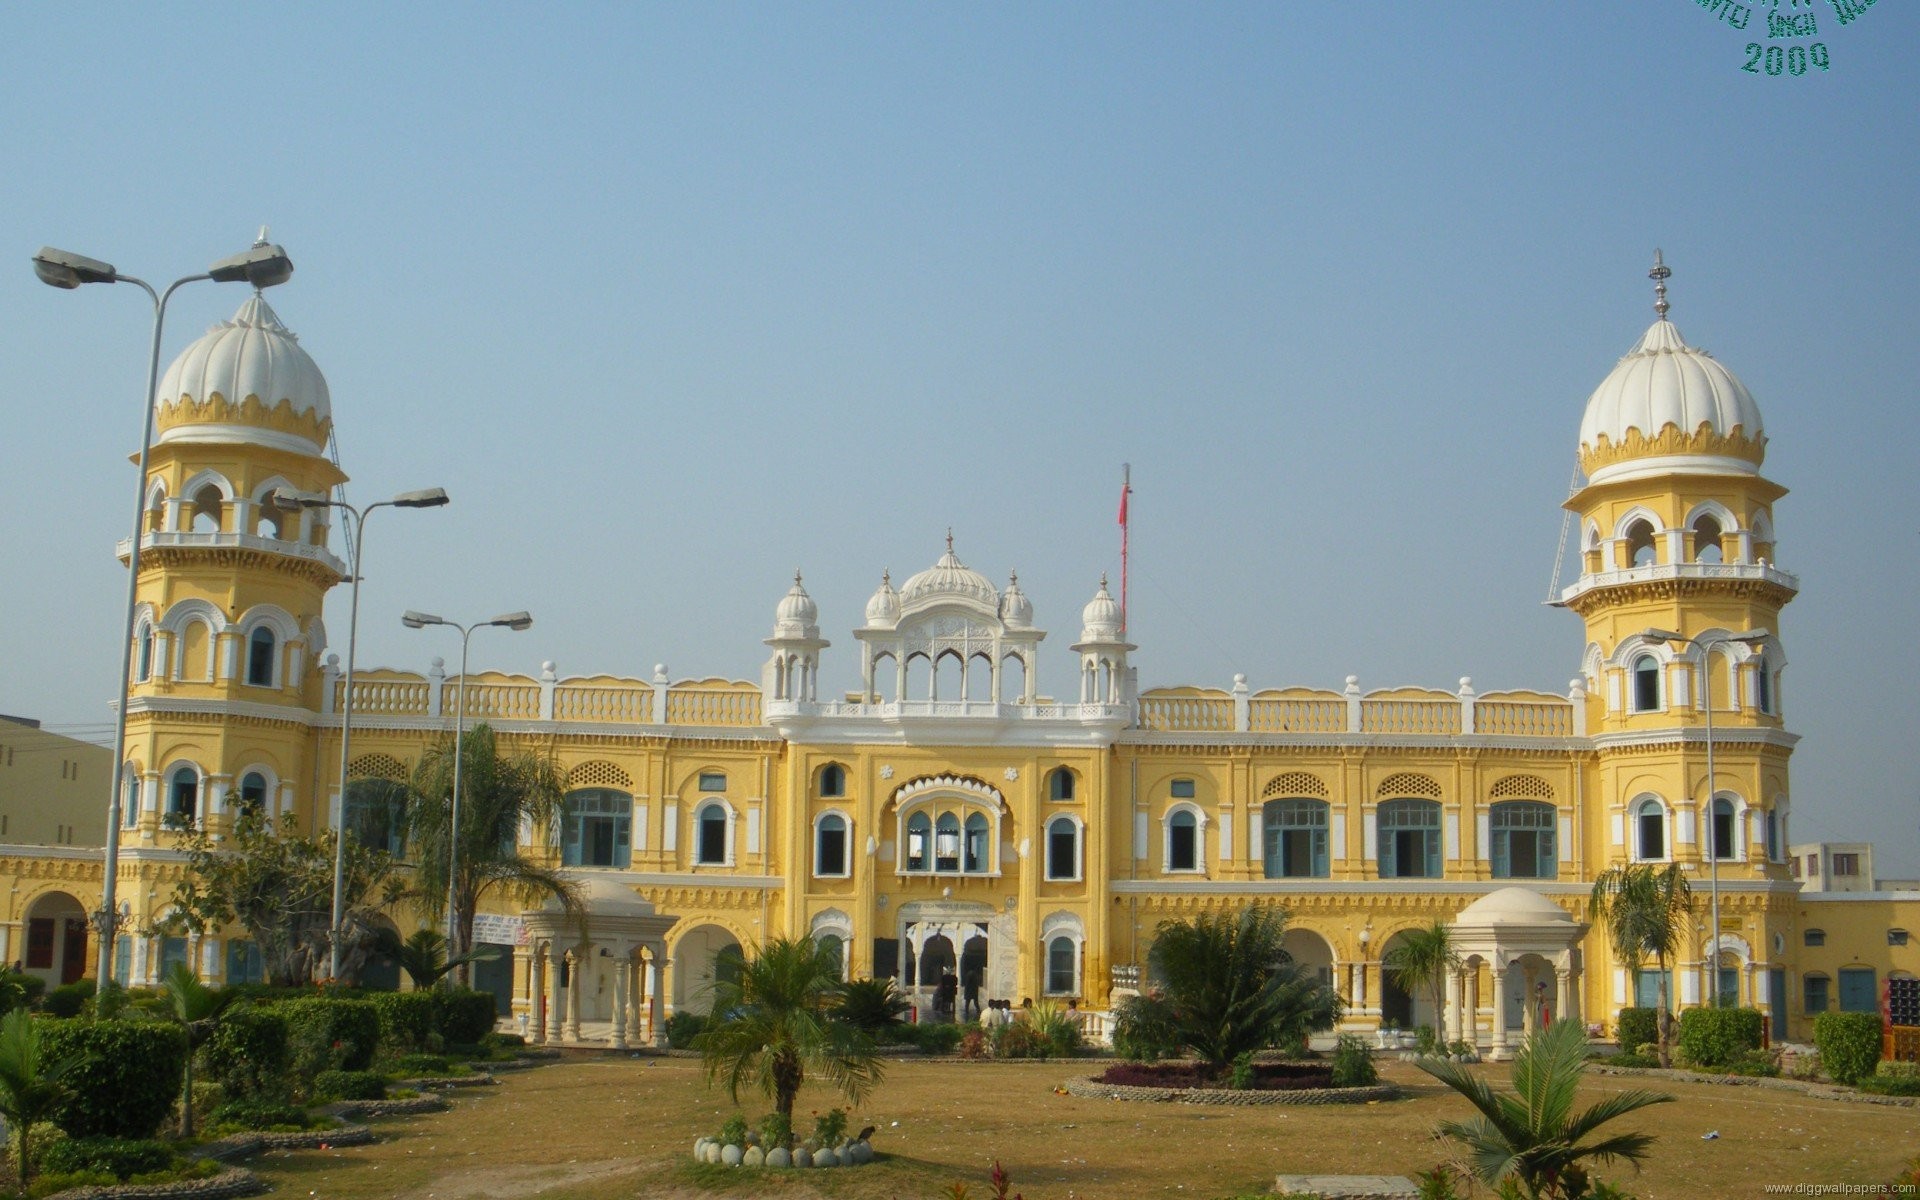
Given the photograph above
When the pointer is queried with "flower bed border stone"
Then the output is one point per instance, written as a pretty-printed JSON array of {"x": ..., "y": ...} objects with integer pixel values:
[
  {"x": 362, "y": 1109},
  {"x": 234, "y": 1181},
  {"x": 1088, "y": 1088},
  {"x": 1819, "y": 1091}
]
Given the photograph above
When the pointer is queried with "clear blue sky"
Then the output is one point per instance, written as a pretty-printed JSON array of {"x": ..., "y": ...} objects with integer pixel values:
[{"x": 675, "y": 299}]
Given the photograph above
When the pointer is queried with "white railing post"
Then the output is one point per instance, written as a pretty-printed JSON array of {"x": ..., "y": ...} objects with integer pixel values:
[
  {"x": 1577, "y": 693},
  {"x": 328, "y": 674},
  {"x": 1242, "y": 709},
  {"x": 660, "y": 693},
  {"x": 548, "y": 678},
  {"x": 436, "y": 686},
  {"x": 1353, "y": 703},
  {"x": 1466, "y": 704}
]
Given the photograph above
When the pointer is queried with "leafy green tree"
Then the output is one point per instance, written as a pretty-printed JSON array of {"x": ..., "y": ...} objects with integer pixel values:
[
  {"x": 278, "y": 885},
  {"x": 1529, "y": 1141},
  {"x": 1647, "y": 912},
  {"x": 1234, "y": 988},
  {"x": 1423, "y": 960},
  {"x": 774, "y": 1020},
  {"x": 197, "y": 1008},
  {"x": 501, "y": 793},
  {"x": 30, "y": 1085}
]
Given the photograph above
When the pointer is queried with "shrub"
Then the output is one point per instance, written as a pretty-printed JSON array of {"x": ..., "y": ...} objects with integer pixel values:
[
  {"x": 1635, "y": 1027},
  {"x": 260, "y": 1115},
  {"x": 68, "y": 999},
  {"x": 118, "y": 1157},
  {"x": 1758, "y": 1063},
  {"x": 1353, "y": 1063},
  {"x": 776, "y": 1131},
  {"x": 1891, "y": 1085},
  {"x": 938, "y": 1038},
  {"x": 874, "y": 1005},
  {"x": 830, "y": 1127},
  {"x": 683, "y": 1027},
  {"x": 248, "y": 1054},
  {"x": 1017, "y": 1039},
  {"x": 1058, "y": 1027},
  {"x": 1849, "y": 1044},
  {"x": 734, "y": 1132},
  {"x": 1714, "y": 1037},
  {"x": 1635, "y": 1059},
  {"x": 19, "y": 989},
  {"x": 462, "y": 1015},
  {"x": 350, "y": 1085},
  {"x": 326, "y": 1034},
  {"x": 975, "y": 1043},
  {"x": 1145, "y": 1030},
  {"x": 406, "y": 1020},
  {"x": 124, "y": 1078},
  {"x": 409, "y": 1066},
  {"x": 498, "y": 1043}
]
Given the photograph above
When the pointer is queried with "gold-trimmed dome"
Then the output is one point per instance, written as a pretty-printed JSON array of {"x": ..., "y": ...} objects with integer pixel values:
[{"x": 246, "y": 380}]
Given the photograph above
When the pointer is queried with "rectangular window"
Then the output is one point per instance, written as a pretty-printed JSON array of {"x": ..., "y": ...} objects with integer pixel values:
[
  {"x": 713, "y": 781},
  {"x": 1815, "y": 987},
  {"x": 916, "y": 849},
  {"x": 1182, "y": 789},
  {"x": 833, "y": 851},
  {"x": 1410, "y": 854},
  {"x": 1653, "y": 836},
  {"x": 1846, "y": 864},
  {"x": 1062, "y": 850},
  {"x": 1896, "y": 937},
  {"x": 1646, "y": 989},
  {"x": 1857, "y": 990},
  {"x": 1814, "y": 937},
  {"x": 1182, "y": 854}
]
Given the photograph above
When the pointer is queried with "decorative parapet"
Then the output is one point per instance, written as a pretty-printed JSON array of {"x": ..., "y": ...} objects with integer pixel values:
[
  {"x": 1393, "y": 712},
  {"x": 497, "y": 696}
]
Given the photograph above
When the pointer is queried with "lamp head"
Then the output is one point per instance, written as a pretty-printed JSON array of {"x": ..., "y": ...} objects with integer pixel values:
[
  {"x": 1663, "y": 635},
  {"x": 264, "y": 265},
  {"x": 292, "y": 501},
  {"x": 62, "y": 269},
  {"x": 515, "y": 621},
  {"x": 1752, "y": 637},
  {"x": 419, "y": 620},
  {"x": 427, "y": 498}
]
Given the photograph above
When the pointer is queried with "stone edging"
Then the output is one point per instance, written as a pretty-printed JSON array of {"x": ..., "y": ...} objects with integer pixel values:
[
  {"x": 1819, "y": 1091},
  {"x": 1087, "y": 1088},
  {"x": 352, "y": 1109},
  {"x": 242, "y": 1145},
  {"x": 234, "y": 1181},
  {"x": 477, "y": 1079}
]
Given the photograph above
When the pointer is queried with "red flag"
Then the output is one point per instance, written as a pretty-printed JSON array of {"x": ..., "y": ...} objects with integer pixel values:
[{"x": 1125, "y": 491}]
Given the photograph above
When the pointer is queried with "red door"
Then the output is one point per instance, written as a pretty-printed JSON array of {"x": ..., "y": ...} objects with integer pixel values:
[{"x": 73, "y": 959}]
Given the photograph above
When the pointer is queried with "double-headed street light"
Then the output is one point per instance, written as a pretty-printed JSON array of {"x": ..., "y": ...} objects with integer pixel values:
[
  {"x": 263, "y": 266},
  {"x": 517, "y": 622},
  {"x": 290, "y": 500},
  {"x": 1706, "y": 645}
]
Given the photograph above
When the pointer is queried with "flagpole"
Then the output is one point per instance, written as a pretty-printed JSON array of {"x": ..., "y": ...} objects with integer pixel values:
[{"x": 1126, "y": 489}]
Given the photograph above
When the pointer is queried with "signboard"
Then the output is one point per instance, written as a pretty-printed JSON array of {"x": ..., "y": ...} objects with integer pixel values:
[{"x": 499, "y": 931}]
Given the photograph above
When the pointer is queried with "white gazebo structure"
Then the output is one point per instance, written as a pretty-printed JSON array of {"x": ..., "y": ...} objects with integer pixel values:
[
  {"x": 1531, "y": 946},
  {"x": 587, "y": 967}
]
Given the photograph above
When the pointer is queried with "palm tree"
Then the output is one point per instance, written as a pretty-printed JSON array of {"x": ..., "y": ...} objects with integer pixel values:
[
  {"x": 1530, "y": 1137},
  {"x": 30, "y": 1086},
  {"x": 500, "y": 794},
  {"x": 197, "y": 1008},
  {"x": 774, "y": 1020},
  {"x": 1647, "y": 911},
  {"x": 423, "y": 956},
  {"x": 1425, "y": 958},
  {"x": 1233, "y": 988}
]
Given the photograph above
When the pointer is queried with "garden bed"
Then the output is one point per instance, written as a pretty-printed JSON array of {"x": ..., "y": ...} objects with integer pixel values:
[
  {"x": 352, "y": 1109},
  {"x": 1806, "y": 1087},
  {"x": 1267, "y": 1077},
  {"x": 234, "y": 1181},
  {"x": 1093, "y": 1089}
]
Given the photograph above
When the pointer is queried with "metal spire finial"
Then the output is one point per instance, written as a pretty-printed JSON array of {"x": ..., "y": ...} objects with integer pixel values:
[
  {"x": 1659, "y": 275},
  {"x": 886, "y": 578},
  {"x": 796, "y": 577},
  {"x": 949, "y": 539}
]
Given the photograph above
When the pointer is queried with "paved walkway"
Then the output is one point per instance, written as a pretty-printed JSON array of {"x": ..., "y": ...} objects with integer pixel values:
[{"x": 1348, "y": 1187}]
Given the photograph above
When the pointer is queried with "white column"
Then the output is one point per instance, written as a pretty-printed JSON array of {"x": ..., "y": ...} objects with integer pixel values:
[
  {"x": 536, "y": 1025},
  {"x": 621, "y": 970},
  {"x": 1360, "y": 985},
  {"x": 1470, "y": 978},
  {"x": 574, "y": 989},
  {"x": 1456, "y": 1021},
  {"x": 554, "y": 993},
  {"x": 655, "y": 1021},
  {"x": 1499, "y": 1047},
  {"x": 636, "y": 996},
  {"x": 1563, "y": 998}
]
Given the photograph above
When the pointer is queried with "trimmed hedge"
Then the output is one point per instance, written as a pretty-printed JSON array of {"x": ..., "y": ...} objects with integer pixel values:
[
  {"x": 124, "y": 1079},
  {"x": 118, "y": 1157},
  {"x": 325, "y": 1034},
  {"x": 406, "y": 1020},
  {"x": 415, "y": 1066},
  {"x": 682, "y": 1028},
  {"x": 1144, "y": 1029},
  {"x": 69, "y": 999},
  {"x": 261, "y": 1115},
  {"x": 350, "y": 1085},
  {"x": 463, "y": 1016},
  {"x": 1716, "y": 1037},
  {"x": 1635, "y": 1027},
  {"x": 1849, "y": 1044},
  {"x": 248, "y": 1054}
]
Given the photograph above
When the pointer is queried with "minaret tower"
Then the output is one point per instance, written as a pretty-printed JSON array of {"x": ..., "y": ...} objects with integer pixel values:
[
  {"x": 1677, "y": 538},
  {"x": 229, "y": 626}
]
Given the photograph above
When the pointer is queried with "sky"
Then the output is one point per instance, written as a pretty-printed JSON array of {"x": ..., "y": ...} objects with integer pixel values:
[{"x": 676, "y": 299}]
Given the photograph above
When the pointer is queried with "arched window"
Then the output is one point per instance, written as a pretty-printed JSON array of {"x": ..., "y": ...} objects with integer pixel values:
[
  {"x": 1722, "y": 828},
  {"x": 1183, "y": 840},
  {"x": 260, "y": 647},
  {"x": 207, "y": 503},
  {"x": 1523, "y": 840},
  {"x": 1640, "y": 544},
  {"x": 1060, "y": 785},
  {"x": 1762, "y": 684},
  {"x": 1295, "y": 833},
  {"x": 831, "y": 946},
  {"x": 1063, "y": 849},
  {"x": 1706, "y": 539},
  {"x": 1649, "y": 831},
  {"x": 1773, "y": 835},
  {"x": 946, "y": 842},
  {"x": 376, "y": 814},
  {"x": 143, "y": 659},
  {"x": 129, "y": 796},
  {"x": 1063, "y": 962},
  {"x": 598, "y": 828},
  {"x": 1409, "y": 839},
  {"x": 253, "y": 794},
  {"x": 919, "y": 842},
  {"x": 830, "y": 846},
  {"x": 710, "y": 834},
  {"x": 1818, "y": 992},
  {"x": 1646, "y": 684},
  {"x": 978, "y": 848},
  {"x": 833, "y": 780},
  {"x": 183, "y": 796}
]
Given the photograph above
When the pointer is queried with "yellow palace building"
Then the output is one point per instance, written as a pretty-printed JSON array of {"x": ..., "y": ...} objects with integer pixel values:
[{"x": 963, "y": 808}]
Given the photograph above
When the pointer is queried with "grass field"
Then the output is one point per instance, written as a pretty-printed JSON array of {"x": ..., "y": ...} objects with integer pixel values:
[{"x": 600, "y": 1128}]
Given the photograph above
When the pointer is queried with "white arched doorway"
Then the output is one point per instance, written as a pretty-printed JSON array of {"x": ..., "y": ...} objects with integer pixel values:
[
  {"x": 694, "y": 966},
  {"x": 55, "y": 942}
]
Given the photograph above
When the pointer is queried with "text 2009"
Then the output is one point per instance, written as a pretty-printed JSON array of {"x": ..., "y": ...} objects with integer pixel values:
[{"x": 1791, "y": 59}]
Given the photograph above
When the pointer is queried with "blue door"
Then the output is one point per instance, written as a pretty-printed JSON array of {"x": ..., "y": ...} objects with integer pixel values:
[
  {"x": 1857, "y": 991},
  {"x": 1777, "y": 1001}
]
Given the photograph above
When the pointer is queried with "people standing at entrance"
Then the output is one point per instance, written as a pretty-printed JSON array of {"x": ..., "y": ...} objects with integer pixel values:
[
  {"x": 972, "y": 1006},
  {"x": 948, "y": 993}
]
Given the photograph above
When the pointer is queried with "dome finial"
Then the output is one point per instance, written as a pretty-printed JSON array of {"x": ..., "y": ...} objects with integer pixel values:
[
  {"x": 1659, "y": 275},
  {"x": 949, "y": 539}
]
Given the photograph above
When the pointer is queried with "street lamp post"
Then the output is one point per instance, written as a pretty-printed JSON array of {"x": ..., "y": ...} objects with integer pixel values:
[
  {"x": 1706, "y": 645},
  {"x": 429, "y": 498},
  {"x": 264, "y": 265},
  {"x": 517, "y": 622}
]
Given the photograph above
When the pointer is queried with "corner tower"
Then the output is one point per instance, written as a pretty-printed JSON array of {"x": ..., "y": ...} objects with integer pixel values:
[
  {"x": 1677, "y": 538},
  {"x": 230, "y": 589}
]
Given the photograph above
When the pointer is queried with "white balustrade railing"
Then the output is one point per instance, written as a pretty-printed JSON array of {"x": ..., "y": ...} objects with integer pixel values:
[
  {"x": 1766, "y": 572},
  {"x": 1186, "y": 714},
  {"x": 894, "y": 710},
  {"x": 1297, "y": 716},
  {"x": 385, "y": 697},
  {"x": 631, "y": 705},
  {"x": 233, "y": 541},
  {"x": 693, "y": 706},
  {"x": 497, "y": 701},
  {"x": 1410, "y": 716}
]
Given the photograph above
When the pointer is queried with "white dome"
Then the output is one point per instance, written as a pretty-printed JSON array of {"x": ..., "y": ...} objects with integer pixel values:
[
  {"x": 883, "y": 611},
  {"x": 1513, "y": 906},
  {"x": 1015, "y": 609},
  {"x": 949, "y": 579},
  {"x": 603, "y": 898},
  {"x": 797, "y": 616},
  {"x": 1100, "y": 619},
  {"x": 1663, "y": 381},
  {"x": 252, "y": 358}
]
